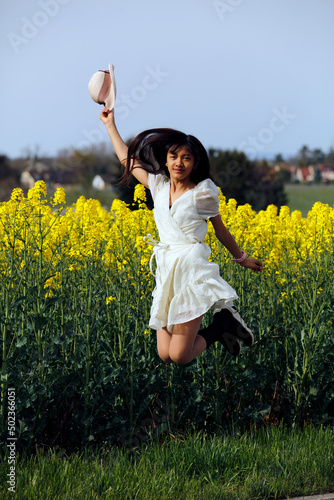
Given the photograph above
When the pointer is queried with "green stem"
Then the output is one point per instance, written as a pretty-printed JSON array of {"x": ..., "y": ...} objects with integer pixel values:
[
  {"x": 88, "y": 350},
  {"x": 4, "y": 381},
  {"x": 39, "y": 299}
]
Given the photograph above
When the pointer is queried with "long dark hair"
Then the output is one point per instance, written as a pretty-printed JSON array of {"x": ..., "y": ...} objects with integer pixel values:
[{"x": 150, "y": 149}]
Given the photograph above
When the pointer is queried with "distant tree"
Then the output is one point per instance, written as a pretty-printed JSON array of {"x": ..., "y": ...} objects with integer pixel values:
[
  {"x": 317, "y": 174},
  {"x": 85, "y": 167},
  {"x": 247, "y": 181},
  {"x": 318, "y": 156},
  {"x": 329, "y": 157},
  {"x": 81, "y": 166},
  {"x": 304, "y": 156},
  {"x": 284, "y": 175},
  {"x": 279, "y": 159},
  {"x": 267, "y": 187},
  {"x": 9, "y": 178},
  {"x": 5, "y": 169},
  {"x": 231, "y": 169}
]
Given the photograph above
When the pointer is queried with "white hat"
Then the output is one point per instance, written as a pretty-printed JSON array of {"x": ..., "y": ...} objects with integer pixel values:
[{"x": 102, "y": 87}]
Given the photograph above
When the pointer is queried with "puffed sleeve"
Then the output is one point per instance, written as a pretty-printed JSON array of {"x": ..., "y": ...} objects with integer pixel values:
[
  {"x": 155, "y": 183},
  {"x": 207, "y": 199}
]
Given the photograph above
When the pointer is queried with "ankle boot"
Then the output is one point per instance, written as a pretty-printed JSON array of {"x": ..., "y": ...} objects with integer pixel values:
[
  {"x": 214, "y": 332},
  {"x": 232, "y": 322}
]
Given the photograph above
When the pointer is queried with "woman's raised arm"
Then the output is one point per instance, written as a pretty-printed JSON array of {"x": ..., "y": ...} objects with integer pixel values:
[{"x": 121, "y": 149}]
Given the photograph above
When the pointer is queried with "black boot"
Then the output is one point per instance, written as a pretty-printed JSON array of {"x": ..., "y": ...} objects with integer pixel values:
[
  {"x": 216, "y": 332},
  {"x": 231, "y": 321}
]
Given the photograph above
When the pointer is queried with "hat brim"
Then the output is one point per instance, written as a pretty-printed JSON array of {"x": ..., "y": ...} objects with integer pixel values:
[{"x": 111, "y": 97}]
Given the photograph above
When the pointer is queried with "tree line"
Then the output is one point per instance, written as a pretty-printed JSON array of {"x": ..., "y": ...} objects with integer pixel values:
[
  {"x": 307, "y": 156},
  {"x": 248, "y": 181}
]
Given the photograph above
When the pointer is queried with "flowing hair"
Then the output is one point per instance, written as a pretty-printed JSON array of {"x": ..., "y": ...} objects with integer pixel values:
[{"x": 150, "y": 149}]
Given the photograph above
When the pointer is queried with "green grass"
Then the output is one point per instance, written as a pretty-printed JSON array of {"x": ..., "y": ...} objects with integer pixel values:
[
  {"x": 269, "y": 463},
  {"x": 303, "y": 196}
]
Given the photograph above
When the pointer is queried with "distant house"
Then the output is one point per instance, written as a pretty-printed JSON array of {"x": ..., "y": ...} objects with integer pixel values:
[
  {"x": 35, "y": 171},
  {"x": 327, "y": 172},
  {"x": 98, "y": 183},
  {"x": 105, "y": 183},
  {"x": 26, "y": 180},
  {"x": 52, "y": 172},
  {"x": 308, "y": 174}
]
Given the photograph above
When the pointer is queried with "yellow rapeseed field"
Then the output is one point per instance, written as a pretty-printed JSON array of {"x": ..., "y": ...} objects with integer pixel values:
[
  {"x": 33, "y": 227},
  {"x": 75, "y": 295}
]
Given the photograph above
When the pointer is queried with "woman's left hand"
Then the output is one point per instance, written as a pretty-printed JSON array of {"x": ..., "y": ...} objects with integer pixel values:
[{"x": 254, "y": 264}]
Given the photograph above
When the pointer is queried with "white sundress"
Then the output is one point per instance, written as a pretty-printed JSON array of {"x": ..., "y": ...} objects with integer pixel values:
[{"x": 187, "y": 284}]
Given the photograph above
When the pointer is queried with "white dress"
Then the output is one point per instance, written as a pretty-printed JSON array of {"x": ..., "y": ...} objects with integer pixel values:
[{"x": 187, "y": 284}]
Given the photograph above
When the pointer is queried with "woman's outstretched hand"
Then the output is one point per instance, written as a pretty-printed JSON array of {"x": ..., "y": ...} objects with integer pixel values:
[
  {"x": 254, "y": 264},
  {"x": 107, "y": 116}
]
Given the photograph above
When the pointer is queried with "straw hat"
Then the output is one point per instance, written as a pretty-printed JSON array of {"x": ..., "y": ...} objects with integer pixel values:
[{"x": 102, "y": 87}]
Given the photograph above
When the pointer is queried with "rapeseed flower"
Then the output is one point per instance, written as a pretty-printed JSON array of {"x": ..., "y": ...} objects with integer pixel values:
[{"x": 64, "y": 244}]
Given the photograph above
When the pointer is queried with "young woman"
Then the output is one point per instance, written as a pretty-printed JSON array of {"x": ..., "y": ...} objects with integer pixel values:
[{"x": 175, "y": 167}]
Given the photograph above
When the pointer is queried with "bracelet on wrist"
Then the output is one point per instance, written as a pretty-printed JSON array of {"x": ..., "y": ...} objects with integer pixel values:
[{"x": 240, "y": 259}]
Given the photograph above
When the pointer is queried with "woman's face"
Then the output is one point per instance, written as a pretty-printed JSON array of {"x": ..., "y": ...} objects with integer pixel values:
[{"x": 180, "y": 164}]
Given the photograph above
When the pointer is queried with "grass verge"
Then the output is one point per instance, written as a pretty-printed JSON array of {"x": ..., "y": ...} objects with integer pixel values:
[
  {"x": 303, "y": 196},
  {"x": 269, "y": 463}
]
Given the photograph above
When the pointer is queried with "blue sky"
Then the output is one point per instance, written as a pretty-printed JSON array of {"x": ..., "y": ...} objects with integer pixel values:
[{"x": 255, "y": 75}]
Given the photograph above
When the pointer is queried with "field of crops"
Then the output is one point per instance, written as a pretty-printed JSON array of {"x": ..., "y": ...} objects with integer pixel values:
[
  {"x": 74, "y": 306},
  {"x": 303, "y": 196}
]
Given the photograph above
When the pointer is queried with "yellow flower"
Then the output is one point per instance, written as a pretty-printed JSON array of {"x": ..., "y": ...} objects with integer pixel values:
[
  {"x": 36, "y": 192},
  {"x": 59, "y": 197},
  {"x": 119, "y": 208},
  {"x": 52, "y": 283},
  {"x": 110, "y": 299},
  {"x": 17, "y": 195},
  {"x": 139, "y": 193}
]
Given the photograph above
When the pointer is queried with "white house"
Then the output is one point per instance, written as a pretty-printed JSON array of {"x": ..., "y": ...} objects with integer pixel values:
[{"x": 98, "y": 183}]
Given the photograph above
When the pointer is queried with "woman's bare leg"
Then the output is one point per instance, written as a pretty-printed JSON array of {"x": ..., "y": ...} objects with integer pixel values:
[
  {"x": 185, "y": 345},
  {"x": 163, "y": 343}
]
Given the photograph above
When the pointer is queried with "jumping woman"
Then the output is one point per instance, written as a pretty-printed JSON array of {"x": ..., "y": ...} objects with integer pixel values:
[{"x": 175, "y": 168}]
